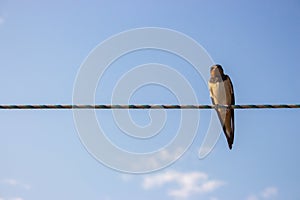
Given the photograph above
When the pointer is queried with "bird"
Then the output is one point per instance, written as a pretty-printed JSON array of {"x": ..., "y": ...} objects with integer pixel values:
[{"x": 221, "y": 93}]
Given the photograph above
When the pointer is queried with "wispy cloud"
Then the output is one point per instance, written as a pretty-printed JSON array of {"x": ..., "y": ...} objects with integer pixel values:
[
  {"x": 12, "y": 198},
  {"x": 158, "y": 160},
  {"x": 10, "y": 182},
  {"x": 252, "y": 197},
  {"x": 269, "y": 192},
  {"x": 266, "y": 193},
  {"x": 16, "y": 198},
  {"x": 126, "y": 177},
  {"x": 210, "y": 186},
  {"x": 189, "y": 183},
  {"x": 16, "y": 183}
]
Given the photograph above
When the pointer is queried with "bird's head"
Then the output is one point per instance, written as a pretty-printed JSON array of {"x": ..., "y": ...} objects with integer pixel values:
[{"x": 216, "y": 71}]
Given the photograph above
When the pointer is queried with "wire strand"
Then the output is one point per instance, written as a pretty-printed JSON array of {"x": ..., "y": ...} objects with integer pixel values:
[{"x": 150, "y": 106}]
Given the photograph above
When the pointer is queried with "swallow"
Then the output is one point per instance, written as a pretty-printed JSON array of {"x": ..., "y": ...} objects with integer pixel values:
[{"x": 221, "y": 93}]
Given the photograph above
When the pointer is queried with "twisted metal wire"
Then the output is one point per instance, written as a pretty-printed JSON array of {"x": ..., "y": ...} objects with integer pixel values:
[{"x": 151, "y": 106}]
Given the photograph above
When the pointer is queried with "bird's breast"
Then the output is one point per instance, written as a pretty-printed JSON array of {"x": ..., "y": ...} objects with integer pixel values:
[{"x": 221, "y": 92}]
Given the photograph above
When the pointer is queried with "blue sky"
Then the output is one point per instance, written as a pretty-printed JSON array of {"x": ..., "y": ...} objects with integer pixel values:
[{"x": 42, "y": 46}]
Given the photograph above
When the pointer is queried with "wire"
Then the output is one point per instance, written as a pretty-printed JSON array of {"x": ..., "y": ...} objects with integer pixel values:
[{"x": 151, "y": 106}]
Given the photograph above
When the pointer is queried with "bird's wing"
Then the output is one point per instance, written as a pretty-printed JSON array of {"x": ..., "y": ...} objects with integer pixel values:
[
  {"x": 232, "y": 103},
  {"x": 229, "y": 118},
  {"x": 232, "y": 92}
]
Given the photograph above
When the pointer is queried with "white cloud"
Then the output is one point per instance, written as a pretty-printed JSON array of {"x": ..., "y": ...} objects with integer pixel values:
[
  {"x": 210, "y": 186},
  {"x": 11, "y": 182},
  {"x": 156, "y": 161},
  {"x": 269, "y": 192},
  {"x": 14, "y": 182},
  {"x": 189, "y": 183},
  {"x": 266, "y": 193},
  {"x": 252, "y": 197},
  {"x": 126, "y": 177},
  {"x": 26, "y": 186},
  {"x": 13, "y": 198},
  {"x": 16, "y": 198}
]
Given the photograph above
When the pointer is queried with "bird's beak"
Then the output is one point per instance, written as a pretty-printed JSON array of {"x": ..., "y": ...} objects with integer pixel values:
[{"x": 213, "y": 72}]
